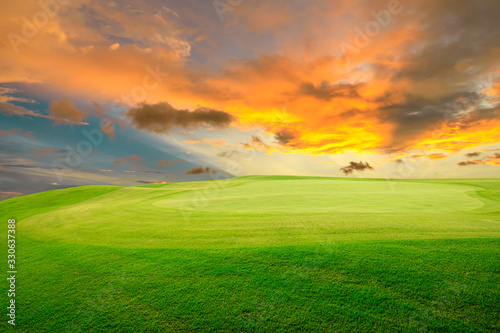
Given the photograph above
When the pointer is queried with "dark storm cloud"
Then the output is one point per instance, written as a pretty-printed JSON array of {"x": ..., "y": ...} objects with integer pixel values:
[
  {"x": 200, "y": 170},
  {"x": 228, "y": 154},
  {"x": 495, "y": 156},
  {"x": 486, "y": 160},
  {"x": 476, "y": 115},
  {"x": 257, "y": 140},
  {"x": 326, "y": 91},
  {"x": 284, "y": 136},
  {"x": 355, "y": 166},
  {"x": 464, "y": 31},
  {"x": 473, "y": 154},
  {"x": 415, "y": 115},
  {"x": 465, "y": 163},
  {"x": 449, "y": 69},
  {"x": 458, "y": 32},
  {"x": 162, "y": 117}
]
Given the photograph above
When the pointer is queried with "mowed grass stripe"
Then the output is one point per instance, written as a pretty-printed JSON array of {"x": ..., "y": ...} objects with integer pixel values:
[{"x": 153, "y": 218}]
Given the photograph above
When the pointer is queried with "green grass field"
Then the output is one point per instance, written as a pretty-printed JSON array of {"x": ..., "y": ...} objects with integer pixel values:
[{"x": 259, "y": 254}]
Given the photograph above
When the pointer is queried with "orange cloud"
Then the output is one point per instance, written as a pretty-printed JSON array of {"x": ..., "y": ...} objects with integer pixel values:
[
  {"x": 10, "y": 132},
  {"x": 165, "y": 162},
  {"x": 431, "y": 156},
  {"x": 128, "y": 160},
  {"x": 65, "y": 111},
  {"x": 492, "y": 160},
  {"x": 45, "y": 151},
  {"x": 214, "y": 142}
]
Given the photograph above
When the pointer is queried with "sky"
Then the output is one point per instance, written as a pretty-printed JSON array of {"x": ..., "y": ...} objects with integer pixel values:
[{"x": 142, "y": 92}]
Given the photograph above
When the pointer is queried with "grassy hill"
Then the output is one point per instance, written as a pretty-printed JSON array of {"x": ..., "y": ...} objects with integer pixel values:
[{"x": 260, "y": 254}]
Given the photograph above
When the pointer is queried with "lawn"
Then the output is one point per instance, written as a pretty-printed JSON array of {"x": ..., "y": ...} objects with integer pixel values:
[{"x": 259, "y": 254}]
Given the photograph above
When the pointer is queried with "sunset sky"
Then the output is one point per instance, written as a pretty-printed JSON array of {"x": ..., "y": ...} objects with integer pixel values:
[{"x": 139, "y": 92}]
